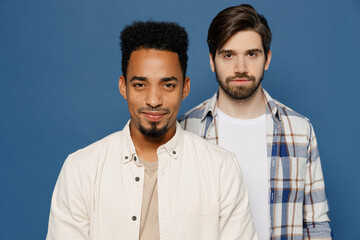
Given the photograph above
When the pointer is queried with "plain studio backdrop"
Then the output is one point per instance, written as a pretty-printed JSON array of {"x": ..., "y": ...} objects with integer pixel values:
[{"x": 59, "y": 67}]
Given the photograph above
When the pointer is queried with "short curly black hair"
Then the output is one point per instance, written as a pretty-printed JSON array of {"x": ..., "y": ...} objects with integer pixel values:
[{"x": 165, "y": 36}]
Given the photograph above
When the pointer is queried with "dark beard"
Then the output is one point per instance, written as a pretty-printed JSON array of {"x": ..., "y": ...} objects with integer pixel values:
[
  {"x": 153, "y": 132},
  {"x": 239, "y": 92}
]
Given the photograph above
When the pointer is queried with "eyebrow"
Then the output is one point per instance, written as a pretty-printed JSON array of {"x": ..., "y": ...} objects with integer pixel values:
[
  {"x": 226, "y": 51},
  {"x": 165, "y": 79},
  {"x": 255, "y": 50},
  {"x": 138, "y": 78},
  {"x": 222, "y": 51}
]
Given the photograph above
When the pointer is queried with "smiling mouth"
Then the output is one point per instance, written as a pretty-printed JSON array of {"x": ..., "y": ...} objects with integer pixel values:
[{"x": 154, "y": 116}]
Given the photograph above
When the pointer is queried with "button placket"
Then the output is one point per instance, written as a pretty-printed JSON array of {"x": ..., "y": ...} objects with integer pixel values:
[
  {"x": 136, "y": 190},
  {"x": 165, "y": 158},
  {"x": 174, "y": 154},
  {"x": 126, "y": 159}
]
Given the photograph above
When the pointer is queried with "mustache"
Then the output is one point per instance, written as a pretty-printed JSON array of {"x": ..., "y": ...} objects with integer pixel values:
[
  {"x": 240, "y": 75},
  {"x": 153, "y": 109}
]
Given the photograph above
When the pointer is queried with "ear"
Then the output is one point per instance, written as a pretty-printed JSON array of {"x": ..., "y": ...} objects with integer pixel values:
[
  {"x": 212, "y": 64},
  {"x": 267, "y": 63},
  {"x": 186, "y": 88},
  {"x": 122, "y": 86}
]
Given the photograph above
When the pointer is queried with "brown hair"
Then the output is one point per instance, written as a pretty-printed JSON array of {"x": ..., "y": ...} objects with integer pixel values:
[{"x": 234, "y": 19}]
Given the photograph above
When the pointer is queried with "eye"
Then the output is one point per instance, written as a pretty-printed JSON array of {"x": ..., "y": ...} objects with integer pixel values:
[
  {"x": 228, "y": 55},
  {"x": 139, "y": 85},
  {"x": 169, "y": 85},
  {"x": 252, "y": 54}
]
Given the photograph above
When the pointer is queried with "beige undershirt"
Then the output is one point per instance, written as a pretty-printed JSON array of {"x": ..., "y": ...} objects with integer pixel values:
[{"x": 149, "y": 224}]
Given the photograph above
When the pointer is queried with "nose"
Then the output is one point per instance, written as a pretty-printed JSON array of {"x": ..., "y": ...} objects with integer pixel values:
[
  {"x": 154, "y": 97},
  {"x": 240, "y": 66}
]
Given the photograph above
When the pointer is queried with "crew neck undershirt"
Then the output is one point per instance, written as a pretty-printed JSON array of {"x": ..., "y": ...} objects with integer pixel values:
[
  {"x": 247, "y": 139},
  {"x": 149, "y": 222}
]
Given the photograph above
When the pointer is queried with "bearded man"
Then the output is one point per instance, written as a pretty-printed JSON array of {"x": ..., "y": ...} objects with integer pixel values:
[{"x": 275, "y": 146}]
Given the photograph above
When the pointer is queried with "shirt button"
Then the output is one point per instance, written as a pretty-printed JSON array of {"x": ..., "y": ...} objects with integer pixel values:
[
  {"x": 126, "y": 157},
  {"x": 174, "y": 152},
  {"x": 137, "y": 179},
  {"x": 135, "y": 158},
  {"x": 134, "y": 218}
]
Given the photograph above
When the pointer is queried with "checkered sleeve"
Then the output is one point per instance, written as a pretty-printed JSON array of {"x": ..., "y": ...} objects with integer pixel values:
[{"x": 316, "y": 221}]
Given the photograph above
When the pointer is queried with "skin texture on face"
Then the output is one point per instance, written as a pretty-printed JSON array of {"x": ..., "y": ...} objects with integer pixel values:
[
  {"x": 240, "y": 64},
  {"x": 154, "y": 88}
]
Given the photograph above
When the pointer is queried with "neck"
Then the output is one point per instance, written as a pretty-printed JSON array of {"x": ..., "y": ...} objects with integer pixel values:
[
  {"x": 146, "y": 147},
  {"x": 252, "y": 107}
]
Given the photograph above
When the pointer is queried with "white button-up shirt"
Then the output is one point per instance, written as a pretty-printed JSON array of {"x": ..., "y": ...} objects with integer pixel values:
[{"x": 201, "y": 193}]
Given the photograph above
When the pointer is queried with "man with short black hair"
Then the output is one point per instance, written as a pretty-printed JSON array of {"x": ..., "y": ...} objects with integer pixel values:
[
  {"x": 276, "y": 147},
  {"x": 152, "y": 180}
]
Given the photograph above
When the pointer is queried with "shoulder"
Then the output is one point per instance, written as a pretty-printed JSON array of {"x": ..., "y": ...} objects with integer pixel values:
[
  {"x": 206, "y": 149},
  {"x": 196, "y": 112},
  {"x": 292, "y": 120},
  {"x": 195, "y": 119},
  {"x": 100, "y": 144},
  {"x": 88, "y": 157}
]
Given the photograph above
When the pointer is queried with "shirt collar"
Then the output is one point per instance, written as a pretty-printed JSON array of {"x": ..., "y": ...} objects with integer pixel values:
[
  {"x": 172, "y": 147},
  {"x": 271, "y": 106},
  {"x": 129, "y": 147},
  {"x": 210, "y": 107}
]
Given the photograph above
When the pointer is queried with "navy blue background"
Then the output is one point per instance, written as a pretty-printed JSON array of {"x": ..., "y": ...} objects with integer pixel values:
[{"x": 59, "y": 70}]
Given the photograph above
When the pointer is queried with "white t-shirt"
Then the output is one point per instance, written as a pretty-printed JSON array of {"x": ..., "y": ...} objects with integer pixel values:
[{"x": 247, "y": 139}]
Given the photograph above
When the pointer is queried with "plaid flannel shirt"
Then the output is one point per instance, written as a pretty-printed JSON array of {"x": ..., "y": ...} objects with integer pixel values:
[{"x": 297, "y": 199}]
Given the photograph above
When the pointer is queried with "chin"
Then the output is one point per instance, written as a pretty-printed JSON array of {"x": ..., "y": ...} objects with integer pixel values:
[{"x": 154, "y": 131}]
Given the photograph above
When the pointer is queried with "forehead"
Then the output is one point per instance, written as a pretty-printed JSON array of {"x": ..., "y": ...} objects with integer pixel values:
[
  {"x": 154, "y": 63},
  {"x": 243, "y": 41}
]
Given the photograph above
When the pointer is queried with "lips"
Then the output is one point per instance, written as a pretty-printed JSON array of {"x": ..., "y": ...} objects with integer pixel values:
[
  {"x": 240, "y": 81},
  {"x": 241, "y": 78},
  {"x": 154, "y": 116}
]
